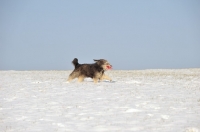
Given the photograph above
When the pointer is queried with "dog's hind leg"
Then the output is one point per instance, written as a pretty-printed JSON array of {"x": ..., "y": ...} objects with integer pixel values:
[
  {"x": 71, "y": 77},
  {"x": 80, "y": 78}
]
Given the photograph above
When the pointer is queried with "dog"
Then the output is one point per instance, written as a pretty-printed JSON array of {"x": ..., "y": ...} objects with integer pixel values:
[{"x": 94, "y": 71}]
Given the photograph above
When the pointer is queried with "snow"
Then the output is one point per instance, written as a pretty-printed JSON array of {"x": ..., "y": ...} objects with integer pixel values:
[{"x": 137, "y": 100}]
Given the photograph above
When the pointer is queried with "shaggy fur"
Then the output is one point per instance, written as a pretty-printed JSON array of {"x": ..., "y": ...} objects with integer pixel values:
[{"x": 94, "y": 71}]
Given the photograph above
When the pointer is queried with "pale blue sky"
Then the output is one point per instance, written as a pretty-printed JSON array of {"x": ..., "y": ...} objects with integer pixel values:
[{"x": 130, "y": 34}]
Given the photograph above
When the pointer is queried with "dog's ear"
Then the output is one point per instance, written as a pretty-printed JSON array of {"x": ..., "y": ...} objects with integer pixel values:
[{"x": 96, "y": 60}]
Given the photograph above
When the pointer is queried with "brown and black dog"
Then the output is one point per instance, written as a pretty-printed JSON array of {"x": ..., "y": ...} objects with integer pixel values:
[{"x": 94, "y": 71}]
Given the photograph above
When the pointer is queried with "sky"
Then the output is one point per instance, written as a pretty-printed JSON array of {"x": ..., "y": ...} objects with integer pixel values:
[{"x": 130, "y": 34}]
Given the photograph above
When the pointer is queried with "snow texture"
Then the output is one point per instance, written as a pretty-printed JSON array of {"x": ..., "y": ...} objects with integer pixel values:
[{"x": 140, "y": 101}]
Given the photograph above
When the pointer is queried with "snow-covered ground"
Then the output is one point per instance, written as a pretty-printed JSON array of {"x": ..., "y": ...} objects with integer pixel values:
[{"x": 141, "y": 101}]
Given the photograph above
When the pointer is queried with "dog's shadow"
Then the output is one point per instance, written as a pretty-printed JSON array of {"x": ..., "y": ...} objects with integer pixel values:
[
  {"x": 105, "y": 81},
  {"x": 108, "y": 81}
]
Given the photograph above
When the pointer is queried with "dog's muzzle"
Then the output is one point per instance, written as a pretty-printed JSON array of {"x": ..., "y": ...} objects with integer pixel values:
[{"x": 109, "y": 67}]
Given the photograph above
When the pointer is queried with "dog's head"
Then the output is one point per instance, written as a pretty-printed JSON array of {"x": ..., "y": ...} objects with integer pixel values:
[{"x": 104, "y": 64}]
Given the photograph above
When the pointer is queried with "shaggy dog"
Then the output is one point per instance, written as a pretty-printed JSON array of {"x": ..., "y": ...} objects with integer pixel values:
[{"x": 94, "y": 71}]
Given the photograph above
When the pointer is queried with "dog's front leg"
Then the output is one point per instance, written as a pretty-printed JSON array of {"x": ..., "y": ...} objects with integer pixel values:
[
  {"x": 95, "y": 80},
  {"x": 105, "y": 77}
]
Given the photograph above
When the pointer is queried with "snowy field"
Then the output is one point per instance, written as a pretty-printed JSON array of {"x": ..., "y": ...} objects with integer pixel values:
[{"x": 141, "y": 101}]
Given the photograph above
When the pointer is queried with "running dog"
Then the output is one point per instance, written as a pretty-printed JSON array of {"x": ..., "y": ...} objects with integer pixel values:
[{"x": 94, "y": 71}]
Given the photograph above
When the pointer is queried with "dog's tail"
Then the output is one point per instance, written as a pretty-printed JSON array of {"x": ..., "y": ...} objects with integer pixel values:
[{"x": 75, "y": 63}]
